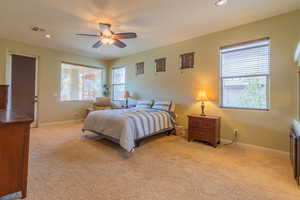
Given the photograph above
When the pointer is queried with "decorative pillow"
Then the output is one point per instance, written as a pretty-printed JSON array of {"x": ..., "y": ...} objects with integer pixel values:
[
  {"x": 162, "y": 105},
  {"x": 172, "y": 108},
  {"x": 144, "y": 104}
]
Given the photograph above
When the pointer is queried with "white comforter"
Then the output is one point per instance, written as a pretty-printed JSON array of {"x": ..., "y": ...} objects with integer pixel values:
[{"x": 127, "y": 125}]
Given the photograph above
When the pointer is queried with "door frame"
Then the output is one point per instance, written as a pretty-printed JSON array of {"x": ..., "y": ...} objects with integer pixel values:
[{"x": 8, "y": 74}]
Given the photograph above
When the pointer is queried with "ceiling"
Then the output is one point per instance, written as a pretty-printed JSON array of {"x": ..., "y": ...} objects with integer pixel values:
[{"x": 157, "y": 22}]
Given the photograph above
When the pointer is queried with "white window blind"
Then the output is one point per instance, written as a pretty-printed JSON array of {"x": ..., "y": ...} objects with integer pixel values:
[
  {"x": 80, "y": 82},
  {"x": 118, "y": 83},
  {"x": 245, "y": 70}
]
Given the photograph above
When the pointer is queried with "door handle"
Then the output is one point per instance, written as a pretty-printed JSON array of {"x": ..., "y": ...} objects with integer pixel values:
[{"x": 35, "y": 99}]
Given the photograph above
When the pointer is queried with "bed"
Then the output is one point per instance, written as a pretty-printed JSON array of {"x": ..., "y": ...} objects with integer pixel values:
[{"x": 129, "y": 126}]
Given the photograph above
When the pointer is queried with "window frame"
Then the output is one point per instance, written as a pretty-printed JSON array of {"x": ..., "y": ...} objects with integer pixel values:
[
  {"x": 112, "y": 84},
  {"x": 268, "y": 85},
  {"x": 158, "y": 66},
  {"x": 184, "y": 57},
  {"x": 140, "y": 68},
  {"x": 80, "y": 65}
]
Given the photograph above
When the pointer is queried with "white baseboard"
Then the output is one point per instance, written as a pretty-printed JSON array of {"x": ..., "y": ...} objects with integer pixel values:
[
  {"x": 258, "y": 148},
  {"x": 60, "y": 122}
]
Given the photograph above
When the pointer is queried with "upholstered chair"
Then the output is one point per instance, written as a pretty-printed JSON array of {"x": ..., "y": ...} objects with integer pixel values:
[{"x": 102, "y": 103}]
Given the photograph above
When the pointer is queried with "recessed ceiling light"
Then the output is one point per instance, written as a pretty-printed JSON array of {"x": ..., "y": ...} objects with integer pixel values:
[
  {"x": 220, "y": 2},
  {"x": 48, "y": 36}
]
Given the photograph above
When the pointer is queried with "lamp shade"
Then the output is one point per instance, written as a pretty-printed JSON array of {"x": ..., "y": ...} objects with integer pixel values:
[
  {"x": 202, "y": 96},
  {"x": 126, "y": 94}
]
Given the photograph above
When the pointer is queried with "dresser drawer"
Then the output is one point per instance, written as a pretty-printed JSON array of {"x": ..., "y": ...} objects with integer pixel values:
[
  {"x": 198, "y": 135},
  {"x": 202, "y": 131},
  {"x": 201, "y": 123}
]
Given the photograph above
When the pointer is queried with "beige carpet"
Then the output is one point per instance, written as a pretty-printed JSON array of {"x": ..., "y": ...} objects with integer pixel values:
[{"x": 66, "y": 166}]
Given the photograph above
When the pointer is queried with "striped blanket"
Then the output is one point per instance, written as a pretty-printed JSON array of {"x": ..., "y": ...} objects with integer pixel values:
[{"x": 128, "y": 125}]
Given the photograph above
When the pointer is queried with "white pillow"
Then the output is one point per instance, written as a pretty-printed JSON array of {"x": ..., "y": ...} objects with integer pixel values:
[
  {"x": 172, "y": 109},
  {"x": 162, "y": 105},
  {"x": 144, "y": 104}
]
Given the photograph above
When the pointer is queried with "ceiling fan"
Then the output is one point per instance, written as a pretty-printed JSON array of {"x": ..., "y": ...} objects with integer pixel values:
[{"x": 107, "y": 37}]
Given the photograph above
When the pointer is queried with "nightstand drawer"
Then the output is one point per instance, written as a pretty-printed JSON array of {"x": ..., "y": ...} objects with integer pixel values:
[
  {"x": 198, "y": 135},
  {"x": 201, "y": 123},
  {"x": 202, "y": 130}
]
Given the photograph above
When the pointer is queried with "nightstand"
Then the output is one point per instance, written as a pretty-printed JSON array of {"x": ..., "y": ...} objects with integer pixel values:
[{"x": 204, "y": 128}]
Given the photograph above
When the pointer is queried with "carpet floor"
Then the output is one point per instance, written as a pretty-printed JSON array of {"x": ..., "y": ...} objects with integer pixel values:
[{"x": 64, "y": 165}]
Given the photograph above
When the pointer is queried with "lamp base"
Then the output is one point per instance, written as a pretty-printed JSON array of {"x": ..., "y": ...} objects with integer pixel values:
[
  {"x": 202, "y": 109},
  {"x": 126, "y": 103}
]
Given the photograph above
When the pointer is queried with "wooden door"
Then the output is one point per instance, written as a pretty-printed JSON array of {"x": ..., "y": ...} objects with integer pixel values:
[{"x": 23, "y": 71}]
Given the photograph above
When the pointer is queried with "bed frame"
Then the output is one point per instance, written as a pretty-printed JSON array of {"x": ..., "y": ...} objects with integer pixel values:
[{"x": 171, "y": 131}]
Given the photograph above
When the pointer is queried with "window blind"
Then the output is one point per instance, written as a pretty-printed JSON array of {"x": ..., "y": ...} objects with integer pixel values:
[
  {"x": 244, "y": 72},
  {"x": 118, "y": 75},
  {"x": 118, "y": 83},
  {"x": 246, "y": 60},
  {"x": 80, "y": 82}
]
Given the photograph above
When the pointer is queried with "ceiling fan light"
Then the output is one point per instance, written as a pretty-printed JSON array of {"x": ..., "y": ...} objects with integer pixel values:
[
  {"x": 111, "y": 41},
  {"x": 107, "y": 33},
  {"x": 220, "y": 2},
  {"x": 107, "y": 41},
  {"x": 104, "y": 41}
]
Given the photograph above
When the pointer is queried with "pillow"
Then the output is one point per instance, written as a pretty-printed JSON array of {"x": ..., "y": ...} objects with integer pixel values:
[
  {"x": 162, "y": 105},
  {"x": 144, "y": 104},
  {"x": 102, "y": 101},
  {"x": 172, "y": 108}
]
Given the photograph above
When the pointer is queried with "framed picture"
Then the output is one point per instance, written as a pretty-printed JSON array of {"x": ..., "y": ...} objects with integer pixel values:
[
  {"x": 139, "y": 68},
  {"x": 187, "y": 60},
  {"x": 160, "y": 65}
]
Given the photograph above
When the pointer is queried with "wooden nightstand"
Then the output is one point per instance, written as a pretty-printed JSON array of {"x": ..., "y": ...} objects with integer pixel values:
[{"x": 205, "y": 128}]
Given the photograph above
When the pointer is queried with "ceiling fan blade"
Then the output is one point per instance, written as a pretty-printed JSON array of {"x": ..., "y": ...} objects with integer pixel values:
[
  {"x": 87, "y": 35},
  {"x": 97, "y": 44},
  {"x": 118, "y": 43},
  {"x": 104, "y": 26},
  {"x": 124, "y": 35}
]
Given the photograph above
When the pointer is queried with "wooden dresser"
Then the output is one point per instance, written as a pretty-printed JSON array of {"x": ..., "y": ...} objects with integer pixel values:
[
  {"x": 295, "y": 151},
  {"x": 204, "y": 128},
  {"x": 3, "y": 96},
  {"x": 14, "y": 146}
]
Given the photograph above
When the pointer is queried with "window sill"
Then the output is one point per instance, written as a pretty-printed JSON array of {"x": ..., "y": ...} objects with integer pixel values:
[
  {"x": 237, "y": 108},
  {"x": 76, "y": 100}
]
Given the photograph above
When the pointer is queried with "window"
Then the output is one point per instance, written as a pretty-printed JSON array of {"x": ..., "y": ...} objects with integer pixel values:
[
  {"x": 245, "y": 70},
  {"x": 118, "y": 83},
  {"x": 160, "y": 65},
  {"x": 187, "y": 60},
  {"x": 140, "y": 68},
  {"x": 80, "y": 82}
]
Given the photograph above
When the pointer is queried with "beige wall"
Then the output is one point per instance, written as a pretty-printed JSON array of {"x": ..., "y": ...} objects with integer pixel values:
[
  {"x": 50, "y": 108},
  {"x": 264, "y": 128}
]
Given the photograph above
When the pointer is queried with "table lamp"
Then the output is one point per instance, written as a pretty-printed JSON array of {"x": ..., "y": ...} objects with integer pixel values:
[
  {"x": 202, "y": 97},
  {"x": 126, "y": 96}
]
